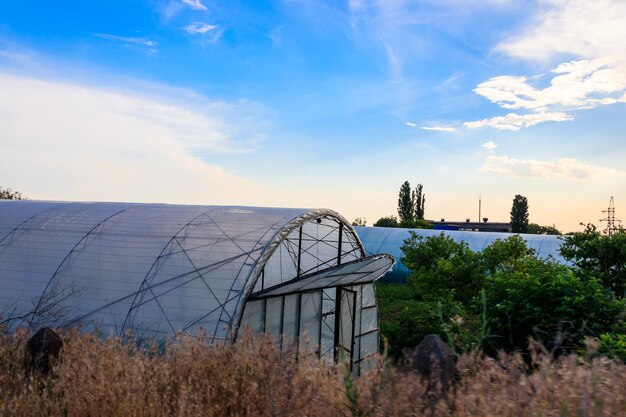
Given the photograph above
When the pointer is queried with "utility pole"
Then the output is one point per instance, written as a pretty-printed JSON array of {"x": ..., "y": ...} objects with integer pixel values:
[
  {"x": 610, "y": 218},
  {"x": 479, "y": 207}
]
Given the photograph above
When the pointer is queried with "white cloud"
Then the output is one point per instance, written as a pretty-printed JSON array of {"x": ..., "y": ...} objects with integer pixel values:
[
  {"x": 127, "y": 39},
  {"x": 439, "y": 128},
  {"x": 513, "y": 121},
  {"x": 577, "y": 85},
  {"x": 590, "y": 34},
  {"x": 583, "y": 28},
  {"x": 90, "y": 143},
  {"x": 565, "y": 168},
  {"x": 200, "y": 28},
  {"x": 490, "y": 146},
  {"x": 410, "y": 124},
  {"x": 194, "y": 4}
]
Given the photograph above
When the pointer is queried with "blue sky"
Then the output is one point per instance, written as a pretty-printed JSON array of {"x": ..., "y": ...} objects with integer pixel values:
[{"x": 319, "y": 104}]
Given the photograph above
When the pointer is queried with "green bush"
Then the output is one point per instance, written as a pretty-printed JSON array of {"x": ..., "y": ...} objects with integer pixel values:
[
  {"x": 547, "y": 301},
  {"x": 525, "y": 297},
  {"x": 389, "y": 221},
  {"x": 405, "y": 320},
  {"x": 599, "y": 256},
  {"x": 613, "y": 346},
  {"x": 415, "y": 224},
  {"x": 442, "y": 270}
]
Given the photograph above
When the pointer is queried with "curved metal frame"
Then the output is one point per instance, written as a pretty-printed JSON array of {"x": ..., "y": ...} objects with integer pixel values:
[
  {"x": 269, "y": 250},
  {"x": 276, "y": 235}
]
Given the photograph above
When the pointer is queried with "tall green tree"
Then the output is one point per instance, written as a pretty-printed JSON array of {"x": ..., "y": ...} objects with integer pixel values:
[
  {"x": 519, "y": 215},
  {"x": 405, "y": 203},
  {"x": 419, "y": 198}
]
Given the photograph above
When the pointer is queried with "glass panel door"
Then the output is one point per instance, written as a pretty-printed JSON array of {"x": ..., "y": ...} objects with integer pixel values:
[{"x": 344, "y": 325}]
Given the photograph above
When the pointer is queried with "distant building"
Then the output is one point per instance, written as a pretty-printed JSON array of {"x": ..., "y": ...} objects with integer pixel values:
[{"x": 469, "y": 226}]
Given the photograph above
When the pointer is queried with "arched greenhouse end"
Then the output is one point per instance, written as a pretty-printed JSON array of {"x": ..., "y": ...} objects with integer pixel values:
[{"x": 157, "y": 269}]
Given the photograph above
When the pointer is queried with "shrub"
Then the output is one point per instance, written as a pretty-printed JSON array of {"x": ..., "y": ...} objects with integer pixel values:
[
  {"x": 442, "y": 270},
  {"x": 613, "y": 346},
  {"x": 547, "y": 301},
  {"x": 389, "y": 221},
  {"x": 598, "y": 256}
]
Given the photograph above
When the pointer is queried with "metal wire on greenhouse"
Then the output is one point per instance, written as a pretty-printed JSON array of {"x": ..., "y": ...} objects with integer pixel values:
[{"x": 158, "y": 269}]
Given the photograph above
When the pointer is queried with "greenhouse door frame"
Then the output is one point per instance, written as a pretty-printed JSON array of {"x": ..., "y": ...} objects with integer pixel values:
[{"x": 345, "y": 307}]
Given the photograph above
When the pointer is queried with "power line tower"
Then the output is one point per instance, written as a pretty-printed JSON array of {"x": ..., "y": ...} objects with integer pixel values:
[{"x": 610, "y": 218}]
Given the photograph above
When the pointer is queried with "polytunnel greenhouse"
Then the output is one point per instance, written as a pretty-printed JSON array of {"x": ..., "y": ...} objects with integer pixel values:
[
  {"x": 390, "y": 240},
  {"x": 158, "y": 269}
]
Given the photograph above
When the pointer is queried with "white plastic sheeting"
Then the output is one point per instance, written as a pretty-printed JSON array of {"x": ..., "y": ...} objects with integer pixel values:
[
  {"x": 389, "y": 240},
  {"x": 333, "y": 329},
  {"x": 155, "y": 269},
  {"x": 361, "y": 271}
]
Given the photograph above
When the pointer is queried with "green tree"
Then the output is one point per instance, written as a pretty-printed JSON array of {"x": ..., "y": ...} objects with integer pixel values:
[
  {"x": 519, "y": 215},
  {"x": 405, "y": 202},
  {"x": 415, "y": 224},
  {"x": 508, "y": 254},
  {"x": 442, "y": 269},
  {"x": 524, "y": 296},
  {"x": 419, "y": 199},
  {"x": 9, "y": 194},
  {"x": 599, "y": 256},
  {"x": 535, "y": 229},
  {"x": 360, "y": 221},
  {"x": 547, "y": 301},
  {"x": 388, "y": 221}
]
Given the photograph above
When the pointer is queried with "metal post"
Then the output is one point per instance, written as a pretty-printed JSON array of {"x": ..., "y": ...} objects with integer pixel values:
[
  {"x": 339, "y": 244},
  {"x": 299, "y": 252}
]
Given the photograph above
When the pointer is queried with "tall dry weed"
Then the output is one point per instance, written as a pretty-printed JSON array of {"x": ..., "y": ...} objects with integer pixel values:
[{"x": 254, "y": 378}]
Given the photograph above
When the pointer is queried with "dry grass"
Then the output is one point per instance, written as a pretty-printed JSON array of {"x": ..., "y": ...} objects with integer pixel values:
[{"x": 95, "y": 378}]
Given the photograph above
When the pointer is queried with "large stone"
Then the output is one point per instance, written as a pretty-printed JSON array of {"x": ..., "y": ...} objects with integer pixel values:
[
  {"x": 41, "y": 350},
  {"x": 434, "y": 360}
]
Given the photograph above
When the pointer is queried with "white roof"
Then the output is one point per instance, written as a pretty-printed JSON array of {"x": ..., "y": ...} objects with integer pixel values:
[
  {"x": 150, "y": 268},
  {"x": 390, "y": 240}
]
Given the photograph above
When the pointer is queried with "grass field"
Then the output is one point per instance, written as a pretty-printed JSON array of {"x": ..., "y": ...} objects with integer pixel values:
[{"x": 252, "y": 378}]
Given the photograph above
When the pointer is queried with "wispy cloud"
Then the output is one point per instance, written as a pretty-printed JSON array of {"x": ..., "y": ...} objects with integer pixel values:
[
  {"x": 121, "y": 142},
  {"x": 127, "y": 39},
  {"x": 565, "y": 168},
  {"x": 586, "y": 29},
  {"x": 390, "y": 27},
  {"x": 194, "y": 4},
  {"x": 514, "y": 121},
  {"x": 410, "y": 124},
  {"x": 439, "y": 128},
  {"x": 593, "y": 32},
  {"x": 276, "y": 35},
  {"x": 199, "y": 28},
  {"x": 490, "y": 146}
]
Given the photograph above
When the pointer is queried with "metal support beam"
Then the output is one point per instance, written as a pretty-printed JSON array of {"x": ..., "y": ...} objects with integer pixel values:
[
  {"x": 339, "y": 244},
  {"x": 299, "y": 252}
]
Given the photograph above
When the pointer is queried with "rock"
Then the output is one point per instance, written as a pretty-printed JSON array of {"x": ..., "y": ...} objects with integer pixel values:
[
  {"x": 434, "y": 360},
  {"x": 41, "y": 350}
]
